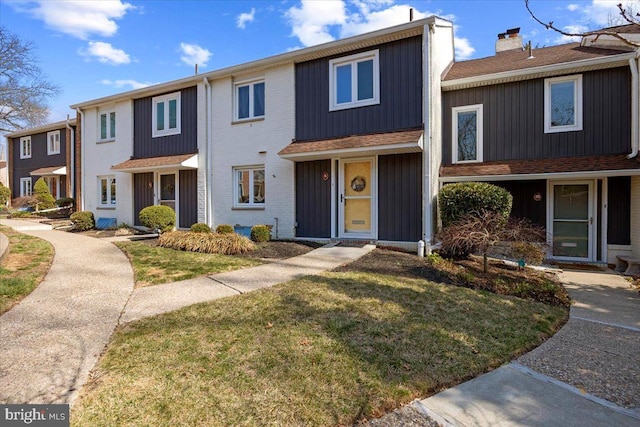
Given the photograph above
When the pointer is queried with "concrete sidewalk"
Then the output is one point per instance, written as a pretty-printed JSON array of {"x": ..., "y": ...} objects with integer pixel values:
[
  {"x": 53, "y": 337},
  {"x": 158, "y": 299},
  {"x": 585, "y": 375}
]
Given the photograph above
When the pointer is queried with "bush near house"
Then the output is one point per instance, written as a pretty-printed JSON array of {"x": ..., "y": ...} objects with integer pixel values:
[
  {"x": 225, "y": 229},
  {"x": 210, "y": 243},
  {"x": 161, "y": 218},
  {"x": 43, "y": 196},
  {"x": 200, "y": 228},
  {"x": 5, "y": 195},
  {"x": 260, "y": 233},
  {"x": 460, "y": 199},
  {"x": 83, "y": 221},
  {"x": 65, "y": 201}
]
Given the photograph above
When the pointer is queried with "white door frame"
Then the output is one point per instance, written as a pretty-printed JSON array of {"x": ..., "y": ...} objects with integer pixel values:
[
  {"x": 591, "y": 215},
  {"x": 158, "y": 192},
  {"x": 373, "y": 198}
]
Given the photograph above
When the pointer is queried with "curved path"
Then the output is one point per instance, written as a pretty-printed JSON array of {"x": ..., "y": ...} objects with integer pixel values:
[{"x": 53, "y": 338}]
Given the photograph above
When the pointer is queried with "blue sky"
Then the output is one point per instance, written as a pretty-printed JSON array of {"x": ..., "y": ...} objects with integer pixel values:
[{"x": 95, "y": 48}]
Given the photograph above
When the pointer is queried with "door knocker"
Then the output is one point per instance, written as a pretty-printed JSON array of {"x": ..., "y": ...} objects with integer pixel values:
[{"x": 358, "y": 184}]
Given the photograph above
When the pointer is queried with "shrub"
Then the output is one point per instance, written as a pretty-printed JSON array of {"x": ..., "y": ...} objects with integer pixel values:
[
  {"x": 83, "y": 220},
  {"x": 200, "y": 228},
  {"x": 210, "y": 243},
  {"x": 224, "y": 229},
  {"x": 20, "y": 214},
  {"x": 465, "y": 198},
  {"x": 530, "y": 253},
  {"x": 5, "y": 195},
  {"x": 43, "y": 195},
  {"x": 65, "y": 201},
  {"x": 159, "y": 217},
  {"x": 23, "y": 202},
  {"x": 260, "y": 233}
]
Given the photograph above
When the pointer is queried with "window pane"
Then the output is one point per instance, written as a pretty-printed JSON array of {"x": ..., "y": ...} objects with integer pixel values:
[
  {"x": 243, "y": 186},
  {"x": 168, "y": 187},
  {"x": 467, "y": 135},
  {"x": 243, "y": 102},
  {"x": 365, "y": 80},
  {"x": 160, "y": 116},
  {"x": 103, "y": 126},
  {"x": 173, "y": 114},
  {"x": 258, "y": 100},
  {"x": 258, "y": 186},
  {"x": 113, "y": 191},
  {"x": 562, "y": 104},
  {"x": 343, "y": 84},
  {"x": 103, "y": 191},
  {"x": 112, "y": 124}
]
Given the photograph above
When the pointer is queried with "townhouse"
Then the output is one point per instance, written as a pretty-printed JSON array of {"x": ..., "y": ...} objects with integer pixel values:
[
  {"x": 558, "y": 127},
  {"x": 47, "y": 151}
]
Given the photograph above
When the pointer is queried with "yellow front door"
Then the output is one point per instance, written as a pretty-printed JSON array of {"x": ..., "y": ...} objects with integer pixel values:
[{"x": 356, "y": 198}]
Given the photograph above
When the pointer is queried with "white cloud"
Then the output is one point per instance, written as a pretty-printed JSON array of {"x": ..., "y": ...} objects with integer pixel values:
[
  {"x": 79, "y": 18},
  {"x": 573, "y": 7},
  {"x": 118, "y": 84},
  {"x": 243, "y": 18},
  {"x": 193, "y": 54},
  {"x": 604, "y": 13},
  {"x": 572, "y": 29},
  {"x": 464, "y": 50},
  {"x": 311, "y": 22},
  {"x": 105, "y": 53}
]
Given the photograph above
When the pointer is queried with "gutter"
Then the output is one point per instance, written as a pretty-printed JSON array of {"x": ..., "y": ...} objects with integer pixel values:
[
  {"x": 633, "y": 65},
  {"x": 72, "y": 150},
  {"x": 208, "y": 153},
  {"x": 82, "y": 162}
]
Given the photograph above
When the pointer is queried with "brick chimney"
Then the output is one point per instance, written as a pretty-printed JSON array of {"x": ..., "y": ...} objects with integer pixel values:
[{"x": 509, "y": 41}]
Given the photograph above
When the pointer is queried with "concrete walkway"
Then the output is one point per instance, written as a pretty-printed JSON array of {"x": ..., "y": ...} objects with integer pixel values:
[
  {"x": 53, "y": 337},
  {"x": 585, "y": 375}
]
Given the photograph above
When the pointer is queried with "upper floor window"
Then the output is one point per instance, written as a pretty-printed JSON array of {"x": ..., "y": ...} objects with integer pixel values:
[
  {"x": 249, "y": 186},
  {"x": 107, "y": 125},
  {"x": 354, "y": 81},
  {"x": 467, "y": 133},
  {"x": 249, "y": 99},
  {"x": 25, "y": 148},
  {"x": 563, "y": 104},
  {"x": 53, "y": 142},
  {"x": 25, "y": 187},
  {"x": 107, "y": 191},
  {"x": 166, "y": 115}
]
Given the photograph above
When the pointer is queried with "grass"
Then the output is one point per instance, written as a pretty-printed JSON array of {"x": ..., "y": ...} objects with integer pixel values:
[
  {"x": 323, "y": 350},
  {"x": 25, "y": 266},
  {"x": 153, "y": 265}
]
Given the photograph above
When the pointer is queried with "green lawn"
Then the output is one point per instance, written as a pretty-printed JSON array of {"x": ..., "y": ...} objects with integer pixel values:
[
  {"x": 26, "y": 264},
  {"x": 324, "y": 350},
  {"x": 153, "y": 265}
]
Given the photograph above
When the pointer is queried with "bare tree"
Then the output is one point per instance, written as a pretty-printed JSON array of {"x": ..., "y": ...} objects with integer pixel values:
[
  {"x": 24, "y": 89},
  {"x": 627, "y": 16}
]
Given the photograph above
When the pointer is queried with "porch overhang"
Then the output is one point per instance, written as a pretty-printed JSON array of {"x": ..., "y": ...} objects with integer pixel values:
[
  {"x": 49, "y": 171},
  {"x": 587, "y": 167},
  {"x": 181, "y": 161},
  {"x": 408, "y": 141}
]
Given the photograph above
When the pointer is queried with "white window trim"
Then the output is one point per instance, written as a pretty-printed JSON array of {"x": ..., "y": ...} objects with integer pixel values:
[
  {"x": 109, "y": 179},
  {"x": 236, "y": 98},
  {"x": 353, "y": 59},
  {"x": 454, "y": 132},
  {"x": 49, "y": 135},
  {"x": 106, "y": 113},
  {"x": 577, "y": 99},
  {"x": 23, "y": 154},
  {"x": 155, "y": 133},
  {"x": 251, "y": 204},
  {"x": 23, "y": 182}
]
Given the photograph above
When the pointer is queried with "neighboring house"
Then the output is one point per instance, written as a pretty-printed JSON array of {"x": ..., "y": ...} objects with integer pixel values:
[
  {"x": 557, "y": 127},
  {"x": 367, "y": 134},
  {"x": 45, "y": 151}
]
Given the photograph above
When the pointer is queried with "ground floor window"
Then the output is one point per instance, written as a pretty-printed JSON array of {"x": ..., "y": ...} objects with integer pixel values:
[
  {"x": 249, "y": 186},
  {"x": 25, "y": 187},
  {"x": 107, "y": 191}
]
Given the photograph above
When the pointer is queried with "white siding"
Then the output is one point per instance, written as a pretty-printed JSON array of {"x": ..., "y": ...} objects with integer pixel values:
[{"x": 239, "y": 144}]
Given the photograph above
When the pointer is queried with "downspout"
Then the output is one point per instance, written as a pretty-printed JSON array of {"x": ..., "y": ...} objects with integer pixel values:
[
  {"x": 428, "y": 144},
  {"x": 633, "y": 65},
  {"x": 72, "y": 165},
  {"x": 209, "y": 153},
  {"x": 82, "y": 162}
]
